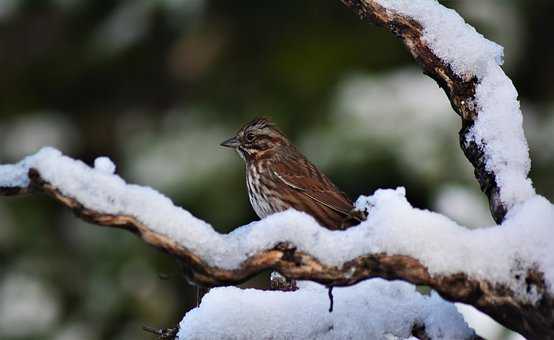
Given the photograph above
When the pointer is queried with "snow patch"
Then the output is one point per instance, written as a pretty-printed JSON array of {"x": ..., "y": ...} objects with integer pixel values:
[
  {"x": 373, "y": 309},
  {"x": 498, "y": 130}
]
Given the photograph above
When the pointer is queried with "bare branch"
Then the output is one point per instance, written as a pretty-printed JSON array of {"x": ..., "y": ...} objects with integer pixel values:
[{"x": 163, "y": 333}]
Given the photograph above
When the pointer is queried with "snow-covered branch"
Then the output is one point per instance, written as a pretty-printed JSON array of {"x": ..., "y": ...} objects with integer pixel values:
[
  {"x": 506, "y": 272},
  {"x": 512, "y": 283},
  {"x": 467, "y": 67}
]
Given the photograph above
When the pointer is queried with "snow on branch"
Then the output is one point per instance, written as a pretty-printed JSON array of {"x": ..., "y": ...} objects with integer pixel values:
[
  {"x": 467, "y": 67},
  {"x": 512, "y": 283},
  {"x": 506, "y": 272}
]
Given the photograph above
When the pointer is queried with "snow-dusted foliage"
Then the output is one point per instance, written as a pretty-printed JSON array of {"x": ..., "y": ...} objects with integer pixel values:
[{"x": 374, "y": 309}]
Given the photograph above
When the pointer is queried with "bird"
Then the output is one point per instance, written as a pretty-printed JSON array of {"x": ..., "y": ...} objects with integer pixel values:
[{"x": 280, "y": 177}]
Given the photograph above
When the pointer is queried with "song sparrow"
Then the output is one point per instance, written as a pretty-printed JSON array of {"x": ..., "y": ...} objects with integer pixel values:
[{"x": 279, "y": 177}]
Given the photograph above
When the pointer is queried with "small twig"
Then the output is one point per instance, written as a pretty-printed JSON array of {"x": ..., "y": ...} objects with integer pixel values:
[
  {"x": 163, "y": 333},
  {"x": 331, "y": 300}
]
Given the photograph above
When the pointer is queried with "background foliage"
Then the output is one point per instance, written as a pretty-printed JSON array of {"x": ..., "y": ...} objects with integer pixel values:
[{"x": 157, "y": 84}]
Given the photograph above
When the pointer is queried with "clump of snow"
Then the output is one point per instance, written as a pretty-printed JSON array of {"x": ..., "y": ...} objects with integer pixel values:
[
  {"x": 105, "y": 165},
  {"x": 498, "y": 127},
  {"x": 374, "y": 309},
  {"x": 16, "y": 175},
  {"x": 12, "y": 176},
  {"x": 394, "y": 227}
]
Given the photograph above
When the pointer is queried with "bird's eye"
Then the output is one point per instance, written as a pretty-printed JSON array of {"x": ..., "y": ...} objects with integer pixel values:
[{"x": 250, "y": 137}]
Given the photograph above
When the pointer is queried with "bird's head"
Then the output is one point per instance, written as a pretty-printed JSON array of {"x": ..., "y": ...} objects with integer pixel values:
[{"x": 256, "y": 138}]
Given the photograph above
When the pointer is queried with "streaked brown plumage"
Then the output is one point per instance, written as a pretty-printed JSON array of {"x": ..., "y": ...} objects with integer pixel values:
[{"x": 279, "y": 177}]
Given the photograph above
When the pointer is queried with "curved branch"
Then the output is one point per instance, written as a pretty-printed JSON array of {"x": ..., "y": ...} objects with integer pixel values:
[{"x": 460, "y": 90}]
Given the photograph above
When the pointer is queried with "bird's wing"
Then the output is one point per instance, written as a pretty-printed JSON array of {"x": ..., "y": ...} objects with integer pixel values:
[{"x": 315, "y": 186}]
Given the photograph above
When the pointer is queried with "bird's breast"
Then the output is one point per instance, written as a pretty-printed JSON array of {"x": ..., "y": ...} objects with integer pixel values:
[{"x": 260, "y": 191}]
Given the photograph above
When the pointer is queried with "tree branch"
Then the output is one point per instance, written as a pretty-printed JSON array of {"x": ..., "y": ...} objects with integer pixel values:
[
  {"x": 498, "y": 301},
  {"x": 460, "y": 91}
]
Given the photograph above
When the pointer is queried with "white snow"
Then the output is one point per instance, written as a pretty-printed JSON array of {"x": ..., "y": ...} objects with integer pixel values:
[
  {"x": 394, "y": 227},
  {"x": 105, "y": 165},
  {"x": 16, "y": 175},
  {"x": 374, "y": 309},
  {"x": 484, "y": 325},
  {"x": 13, "y": 176},
  {"x": 498, "y": 127}
]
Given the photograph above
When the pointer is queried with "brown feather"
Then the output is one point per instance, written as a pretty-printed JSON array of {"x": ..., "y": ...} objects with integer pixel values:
[{"x": 307, "y": 180}]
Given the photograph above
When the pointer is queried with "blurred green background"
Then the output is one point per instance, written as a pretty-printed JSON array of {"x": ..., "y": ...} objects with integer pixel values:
[{"x": 156, "y": 85}]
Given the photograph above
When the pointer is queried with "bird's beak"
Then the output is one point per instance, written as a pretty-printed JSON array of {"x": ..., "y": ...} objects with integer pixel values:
[{"x": 231, "y": 142}]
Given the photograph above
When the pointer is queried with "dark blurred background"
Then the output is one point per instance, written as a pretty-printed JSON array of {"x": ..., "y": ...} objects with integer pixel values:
[{"x": 156, "y": 85}]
